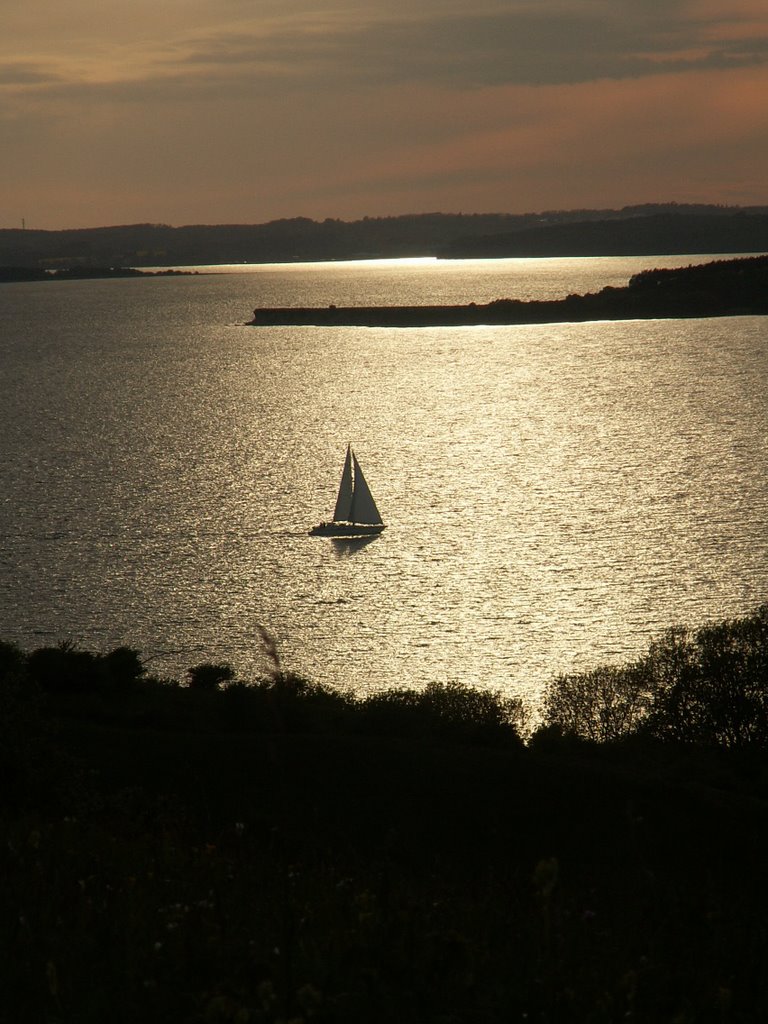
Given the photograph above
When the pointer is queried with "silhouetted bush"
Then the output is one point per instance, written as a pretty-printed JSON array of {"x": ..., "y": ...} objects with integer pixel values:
[
  {"x": 121, "y": 668},
  {"x": 297, "y": 705},
  {"x": 210, "y": 675},
  {"x": 66, "y": 669},
  {"x": 63, "y": 669},
  {"x": 553, "y": 739},
  {"x": 444, "y": 710}
]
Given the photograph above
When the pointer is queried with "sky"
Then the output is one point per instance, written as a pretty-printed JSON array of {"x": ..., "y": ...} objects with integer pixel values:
[{"x": 244, "y": 111}]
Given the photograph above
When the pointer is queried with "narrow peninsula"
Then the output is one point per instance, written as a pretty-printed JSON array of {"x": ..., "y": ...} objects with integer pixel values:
[{"x": 737, "y": 287}]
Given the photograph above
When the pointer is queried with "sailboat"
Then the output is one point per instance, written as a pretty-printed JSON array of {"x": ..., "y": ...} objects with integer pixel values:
[{"x": 355, "y": 514}]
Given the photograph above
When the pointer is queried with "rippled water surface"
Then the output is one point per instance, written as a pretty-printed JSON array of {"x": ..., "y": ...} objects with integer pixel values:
[{"x": 555, "y": 495}]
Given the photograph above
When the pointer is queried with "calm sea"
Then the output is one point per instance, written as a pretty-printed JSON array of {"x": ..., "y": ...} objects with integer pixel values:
[{"x": 555, "y": 495}]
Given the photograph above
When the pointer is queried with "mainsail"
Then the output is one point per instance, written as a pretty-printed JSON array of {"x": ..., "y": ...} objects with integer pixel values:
[
  {"x": 355, "y": 514},
  {"x": 362, "y": 507}
]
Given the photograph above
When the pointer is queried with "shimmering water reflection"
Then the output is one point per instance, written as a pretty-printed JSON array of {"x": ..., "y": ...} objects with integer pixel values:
[{"x": 555, "y": 495}]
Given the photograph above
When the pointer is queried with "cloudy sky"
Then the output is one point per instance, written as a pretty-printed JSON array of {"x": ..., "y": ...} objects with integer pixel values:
[{"x": 242, "y": 111}]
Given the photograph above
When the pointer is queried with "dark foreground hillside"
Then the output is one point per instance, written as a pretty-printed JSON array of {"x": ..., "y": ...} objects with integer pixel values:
[{"x": 282, "y": 853}]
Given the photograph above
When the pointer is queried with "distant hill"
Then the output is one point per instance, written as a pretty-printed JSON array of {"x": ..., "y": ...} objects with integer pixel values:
[
  {"x": 656, "y": 234},
  {"x": 636, "y": 230}
]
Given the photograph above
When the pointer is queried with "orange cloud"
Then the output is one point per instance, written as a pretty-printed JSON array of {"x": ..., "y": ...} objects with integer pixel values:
[
  {"x": 684, "y": 137},
  {"x": 379, "y": 109}
]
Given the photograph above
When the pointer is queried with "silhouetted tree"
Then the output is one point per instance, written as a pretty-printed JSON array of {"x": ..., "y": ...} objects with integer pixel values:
[
  {"x": 121, "y": 668},
  {"x": 707, "y": 687},
  {"x": 712, "y": 683},
  {"x": 601, "y": 705}
]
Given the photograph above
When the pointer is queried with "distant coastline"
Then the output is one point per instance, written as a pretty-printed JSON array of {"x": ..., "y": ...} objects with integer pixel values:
[
  {"x": 721, "y": 288},
  {"x": 11, "y": 274},
  {"x": 652, "y": 229}
]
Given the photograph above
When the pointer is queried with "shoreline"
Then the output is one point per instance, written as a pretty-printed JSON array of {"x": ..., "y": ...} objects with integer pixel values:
[
  {"x": 10, "y": 275},
  {"x": 723, "y": 288}
]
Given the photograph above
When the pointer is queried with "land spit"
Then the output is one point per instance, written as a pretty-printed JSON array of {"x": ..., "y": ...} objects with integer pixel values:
[{"x": 723, "y": 288}]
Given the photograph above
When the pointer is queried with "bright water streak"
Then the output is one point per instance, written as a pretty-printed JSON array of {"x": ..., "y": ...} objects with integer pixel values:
[{"x": 555, "y": 495}]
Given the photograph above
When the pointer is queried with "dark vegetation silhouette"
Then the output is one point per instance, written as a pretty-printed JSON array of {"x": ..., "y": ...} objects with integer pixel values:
[
  {"x": 209, "y": 676},
  {"x": 267, "y": 850},
  {"x": 706, "y": 688}
]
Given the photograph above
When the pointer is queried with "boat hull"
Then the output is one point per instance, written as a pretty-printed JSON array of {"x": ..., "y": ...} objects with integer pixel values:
[{"x": 346, "y": 530}]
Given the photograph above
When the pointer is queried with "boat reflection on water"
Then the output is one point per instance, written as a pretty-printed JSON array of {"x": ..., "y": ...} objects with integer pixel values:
[{"x": 344, "y": 547}]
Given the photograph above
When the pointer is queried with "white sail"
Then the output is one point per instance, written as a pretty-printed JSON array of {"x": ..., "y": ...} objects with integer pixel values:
[
  {"x": 355, "y": 515},
  {"x": 343, "y": 511},
  {"x": 363, "y": 508}
]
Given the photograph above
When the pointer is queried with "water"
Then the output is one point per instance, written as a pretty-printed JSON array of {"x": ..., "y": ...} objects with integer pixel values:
[{"x": 555, "y": 495}]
